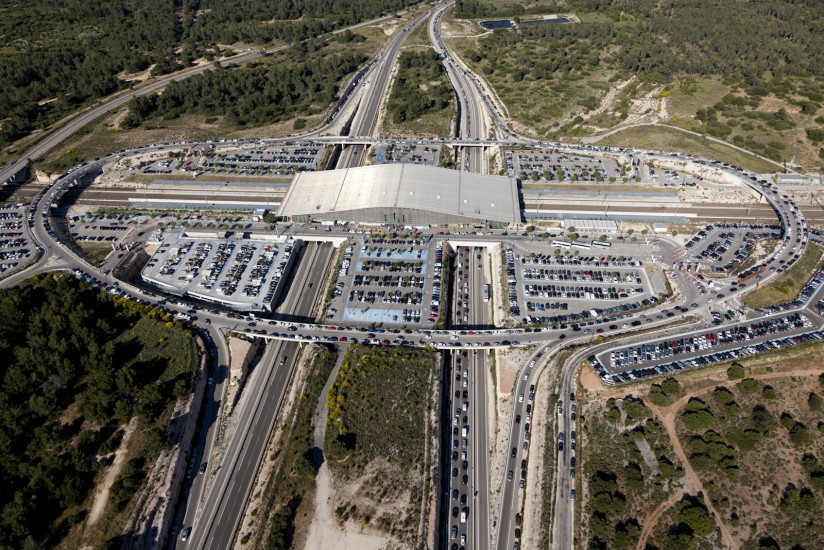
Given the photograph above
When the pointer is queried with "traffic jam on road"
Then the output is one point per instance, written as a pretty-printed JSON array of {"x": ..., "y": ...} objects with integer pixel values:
[{"x": 553, "y": 292}]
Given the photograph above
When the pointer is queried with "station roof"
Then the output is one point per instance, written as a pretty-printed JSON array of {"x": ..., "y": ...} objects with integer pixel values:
[{"x": 404, "y": 186}]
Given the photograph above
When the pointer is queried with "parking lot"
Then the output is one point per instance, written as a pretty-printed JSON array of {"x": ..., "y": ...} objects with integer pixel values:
[
  {"x": 258, "y": 160},
  {"x": 262, "y": 161},
  {"x": 235, "y": 272},
  {"x": 562, "y": 167},
  {"x": 702, "y": 348},
  {"x": 15, "y": 248},
  {"x": 725, "y": 248},
  {"x": 104, "y": 228},
  {"x": 547, "y": 285},
  {"x": 408, "y": 153},
  {"x": 388, "y": 279},
  {"x": 545, "y": 166}
]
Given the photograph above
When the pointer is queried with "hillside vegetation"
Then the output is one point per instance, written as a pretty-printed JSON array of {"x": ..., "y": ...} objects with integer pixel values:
[
  {"x": 421, "y": 94},
  {"x": 771, "y": 67},
  {"x": 57, "y": 55},
  {"x": 377, "y": 435},
  {"x": 77, "y": 367}
]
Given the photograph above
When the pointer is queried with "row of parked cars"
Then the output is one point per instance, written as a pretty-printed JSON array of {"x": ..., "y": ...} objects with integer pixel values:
[
  {"x": 580, "y": 275},
  {"x": 610, "y": 379},
  {"x": 511, "y": 281},
  {"x": 580, "y": 292},
  {"x": 588, "y": 261},
  {"x": 645, "y": 353}
]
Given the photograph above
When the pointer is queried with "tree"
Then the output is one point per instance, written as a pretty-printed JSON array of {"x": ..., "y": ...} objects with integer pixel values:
[{"x": 696, "y": 516}]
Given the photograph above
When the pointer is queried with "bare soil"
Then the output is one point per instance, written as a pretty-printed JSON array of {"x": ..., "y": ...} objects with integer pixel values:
[{"x": 101, "y": 492}]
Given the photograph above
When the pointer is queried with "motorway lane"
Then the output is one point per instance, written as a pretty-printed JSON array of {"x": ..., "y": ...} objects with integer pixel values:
[
  {"x": 92, "y": 113},
  {"x": 216, "y": 525},
  {"x": 370, "y": 102},
  {"x": 471, "y": 125},
  {"x": 474, "y": 364},
  {"x": 479, "y": 316}
]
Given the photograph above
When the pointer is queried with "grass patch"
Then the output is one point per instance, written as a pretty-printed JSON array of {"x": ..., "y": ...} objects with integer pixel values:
[
  {"x": 421, "y": 101},
  {"x": 96, "y": 253},
  {"x": 378, "y": 411},
  {"x": 690, "y": 94},
  {"x": 669, "y": 139},
  {"x": 787, "y": 286}
]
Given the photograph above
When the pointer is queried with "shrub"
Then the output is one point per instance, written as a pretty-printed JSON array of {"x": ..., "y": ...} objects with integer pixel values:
[
  {"x": 697, "y": 416},
  {"x": 735, "y": 372},
  {"x": 749, "y": 385},
  {"x": 695, "y": 515},
  {"x": 815, "y": 402},
  {"x": 658, "y": 396},
  {"x": 723, "y": 396},
  {"x": 671, "y": 387}
]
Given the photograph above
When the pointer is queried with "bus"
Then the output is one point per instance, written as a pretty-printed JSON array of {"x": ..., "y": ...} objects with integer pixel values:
[
  {"x": 562, "y": 244},
  {"x": 599, "y": 244},
  {"x": 486, "y": 293}
]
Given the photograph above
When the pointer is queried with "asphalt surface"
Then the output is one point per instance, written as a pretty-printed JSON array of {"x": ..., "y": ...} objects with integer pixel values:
[
  {"x": 378, "y": 82},
  {"x": 471, "y": 122},
  {"x": 215, "y": 523},
  {"x": 475, "y": 364}
]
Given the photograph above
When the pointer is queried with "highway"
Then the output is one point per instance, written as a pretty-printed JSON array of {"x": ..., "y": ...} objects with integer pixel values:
[
  {"x": 469, "y": 482},
  {"x": 376, "y": 89},
  {"x": 471, "y": 121},
  {"x": 215, "y": 508},
  {"x": 215, "y": 522}
]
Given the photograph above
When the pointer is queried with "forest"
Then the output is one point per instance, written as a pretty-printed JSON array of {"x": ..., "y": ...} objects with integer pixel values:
[
  {"x": 79, "y": 365},
  {"x": 408, "y": 100},
  {"x": 254, "y": 95},
  {"x": 56, "y": 55},
  {"x": 751, "y": 40}
]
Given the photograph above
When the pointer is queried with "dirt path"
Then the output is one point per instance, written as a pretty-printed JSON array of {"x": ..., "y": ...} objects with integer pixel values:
[
  {"x": 325, "y": 532},
  {"x": 101, "y": 497},
  {"x": 667, "y": 416},
  {"x": 652, "y": 518}
]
